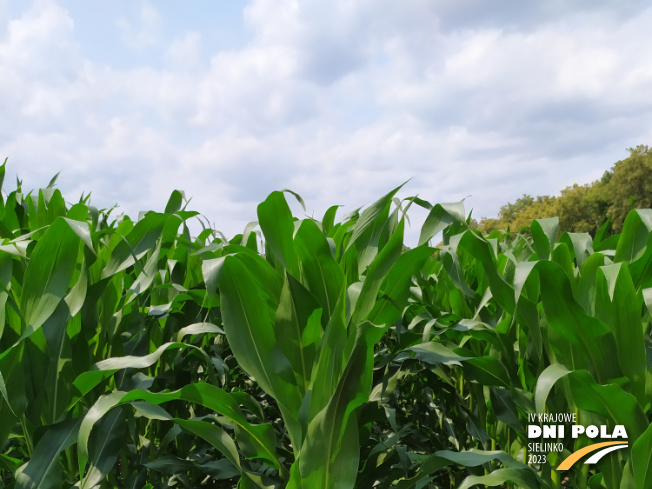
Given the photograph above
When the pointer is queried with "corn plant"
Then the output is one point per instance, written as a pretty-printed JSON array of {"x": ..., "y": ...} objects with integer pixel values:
[{"x": 314, "y": 353}]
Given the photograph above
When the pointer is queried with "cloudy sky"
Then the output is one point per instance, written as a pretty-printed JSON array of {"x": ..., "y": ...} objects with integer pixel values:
[{"x": 337, "y": 100}]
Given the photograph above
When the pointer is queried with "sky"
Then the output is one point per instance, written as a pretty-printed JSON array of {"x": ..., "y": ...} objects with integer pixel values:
[{"x": 336, "y": 100}]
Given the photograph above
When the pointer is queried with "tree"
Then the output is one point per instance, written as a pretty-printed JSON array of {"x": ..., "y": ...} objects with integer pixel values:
[{"x": 630, "y": 185}]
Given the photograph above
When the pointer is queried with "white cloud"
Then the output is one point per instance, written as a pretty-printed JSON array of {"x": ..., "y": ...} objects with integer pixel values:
[
  {"x": 147, "y": 33},
  {"x": 339, "y": 101},
  {"x": 184, "y": 53}
]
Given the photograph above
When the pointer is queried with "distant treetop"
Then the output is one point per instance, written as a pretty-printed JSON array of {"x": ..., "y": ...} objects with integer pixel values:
[{"x": 585, "y": 208}]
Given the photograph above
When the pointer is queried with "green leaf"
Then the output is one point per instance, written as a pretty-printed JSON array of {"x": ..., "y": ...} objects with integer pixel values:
[
  {"x": 330, "y": 361},
  {"x": 277, "y": 224},
  {"x": 102, "y": 406},
  {"x": 395, "y": 286},
  {"x": 49, "y": 273},
  {"x": 618, "y": 305},
  {"x": 104, "y": 448},
  {"x": 328, "y": 220},
  {"x": 104, "y": 369},
  {"x": 487, "y": 370},
  {"x": 544, "y": 232},
  {"x": 326, "y": 458},
  {"x": 298, "y": 328},
  {"x": 373, "y": 215},
  {"x": 378, "y": 269},
  {"x": 43, "y": 469},
  {"x": 635, "y": 235},
  {"x": 470, "y": 458},
  {"x": 174, "y": 202},
  {"x": 435, "y": 353},
  {"x": 260, "y": 437},
  {"x": 322, "y": 276},
  {"x": 138, "y": 241},
  {"x": 2, "y": 174},
  {"x": 546, "y": 381},
  {"x": 481, "y": 250},
  {"x": 647, "y": 297},
  {"x": 522, "y": 478},
  {"x": 82, "y": 230},
  {"x": 582, "y": 246},
  {"x": 608, "y": 400},
  {"x": 249, "y": 329},
  {"x": 440, "y": 217},
  {"x": 6, "y": 269},
  {"x": 198, "y": 328},
  {"x": 587, "y": 338},
  {"x": 641, "y": 457}
]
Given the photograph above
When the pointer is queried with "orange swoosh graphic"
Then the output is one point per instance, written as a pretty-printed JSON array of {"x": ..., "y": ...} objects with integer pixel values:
[{"x": 574, "y": 457}]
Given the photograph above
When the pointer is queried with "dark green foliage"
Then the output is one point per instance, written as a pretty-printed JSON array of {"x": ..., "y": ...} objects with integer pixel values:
[
  {"x": 326, "y": 355},
  {"x": 586, "y": 208}
]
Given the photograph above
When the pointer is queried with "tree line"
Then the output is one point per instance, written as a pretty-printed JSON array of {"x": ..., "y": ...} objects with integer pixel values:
[{"x": 585, "y": 208}]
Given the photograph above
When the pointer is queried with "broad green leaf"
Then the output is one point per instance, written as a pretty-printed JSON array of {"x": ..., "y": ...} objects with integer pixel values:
[
  {"x": 641, "y": 458},
  {"x": 104, "y": 448},
  {"x": 249, "y": 329},
  {"x": 582, "y": 246},
  {"x": 487, "y": 370},
  {"x": 324, "y": 461},
  {"x": 635, "y": 235},
  {"x": 328, "y": 220},
  {"x": 522, "y": 478},
  {"x": 198, "y": 328},
  {"x": 277, "y": 223},
  {"x": 174, "y": 202},
  {"x": 608, "y": 400},
  {"x": 475, "y": 457},
  {"x": 218, "y": 438},
  {"x": 618, "y": 305},
  {"x": 647, "y": 297},
  {"x": 372, "y": 216},
  {"x": 49, "y": 273},
  {"x": 471, "y": 458},
  {"x": 441, "y": 216},
  {"x": 77, "y": 295},
  {"x": 140, "y": 239},
  {"x": 330, "y": 361},
  {"x": 59, "y": 371},
  {"x": 101, "y": 407},
  {"x": 43, "y": 469},
  {"x": 260, "y": 437},
  {"x": 104, "y": 369},
  {"x": 588, "y": 338},
  {"x": 298, "y": 328},
  {"x": 378, "y": 269},
  {"x": 505, "y": 408},
  {"x": 546, "y": 381},
  {"x": 82, "y": 230},
  {"x": 211, "y": 270},
  {"x": 481, "y": 250},
  {"x": 544, "y": 232},
  {"x": 452, "y": 266},
  {"x": 321, "y": 274},
  {"x": 395, "y": 286},
  {"x": 6, "y": 268},
  {"x": 434, "y": 352},
  {"x": 585, "y": 291},
  {"x": 147, "y": 275}
]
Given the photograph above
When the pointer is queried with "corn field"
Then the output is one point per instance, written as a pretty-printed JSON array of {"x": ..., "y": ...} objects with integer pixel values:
[{"x": 308, "y": 353}]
